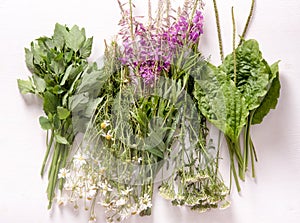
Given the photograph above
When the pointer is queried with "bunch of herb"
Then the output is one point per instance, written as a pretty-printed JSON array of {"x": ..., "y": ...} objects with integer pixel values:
[
  {"x": 145, "y": 106},
  {"x": 237, "y": 94},
  {"x": 57, "y": 65}
]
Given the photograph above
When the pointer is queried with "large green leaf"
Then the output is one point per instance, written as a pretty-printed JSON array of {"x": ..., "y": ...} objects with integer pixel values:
[
  {"x": 235, "y": 110},
  {"x": 270, "y": 100},
  {"x": 39, "y": 83},
  {"x": 86, "y": 49},
  {"x": 252, "y": 74},
  {"x": 211, "y": 101},
  {"x": 92, "y": 80},
  {"x": 60, "y": 32},
  {"x": 75, "y": 38},
  {"x": 50, "y": 103},
  {"x": 222, "y": 104}
]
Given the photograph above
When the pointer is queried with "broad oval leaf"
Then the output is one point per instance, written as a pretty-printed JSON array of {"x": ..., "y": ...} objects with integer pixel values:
[
  {"x": 45, "y": 123},
  {"x": 62, "y": 113},
  {"x": 253, "y": 73}
]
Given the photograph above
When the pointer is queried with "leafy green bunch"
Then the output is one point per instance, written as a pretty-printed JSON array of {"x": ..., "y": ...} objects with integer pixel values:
[
  {"x": 237, "y": 94},
  {"x": 57, "y": 65},
  {"x": 234, "y": 100}
]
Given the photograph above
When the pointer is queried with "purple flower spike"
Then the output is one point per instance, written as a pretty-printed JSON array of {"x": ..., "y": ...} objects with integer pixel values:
[{"x": 152, "y": 50}]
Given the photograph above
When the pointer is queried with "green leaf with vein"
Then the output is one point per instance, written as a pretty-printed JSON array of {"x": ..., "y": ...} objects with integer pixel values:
[
  {"x": 62, "y": 112},
  {"x": 50, "y": 103},
  {"x": 45, "y": 123},
  {"x": 221, "y": 102},
  {"x": 253, "y": 73},
  {"x": 227, "y": 98},
  {"x": 271, "y": 99},
  {"x": 75, "y": 38}
]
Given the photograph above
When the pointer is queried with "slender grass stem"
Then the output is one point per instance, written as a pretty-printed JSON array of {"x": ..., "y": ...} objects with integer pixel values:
[
  {"x": 233, "y": 45},
  {"x": 49, "y": 145},
  {"x": 131, "y": 20},
  {"x": 52, "y": 174},
  {"x": 247, "y": 22},
  {"x": 218, "y": 30},
  {"x": 253, "y": 157},
  {"x": 232, "y": 165}
]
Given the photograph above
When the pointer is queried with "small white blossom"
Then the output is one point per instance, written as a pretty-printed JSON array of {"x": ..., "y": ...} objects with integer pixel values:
[
  {"x": 120, "y": 202},
  {"x": 105, "y": 187},
  {"x": 126, "y": 191},
  {"x": 63, "y": 173},
  {"x": 105, "y": 124},
  {"x": 145, "y": 202},
  {"x": 140, "y": 159},
  {"x": 108, "y": 136},
  {"x": 134, "y": 209},
  {"x": 91, "y": 193},
  {"x": 79, "y": 159},
  {"x": 124, "y": 213},
  {"x": 105, "y": 204}
]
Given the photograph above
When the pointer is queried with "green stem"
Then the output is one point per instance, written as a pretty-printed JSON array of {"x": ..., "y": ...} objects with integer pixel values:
[
  {"x": 65, "y": 153},
  {"x": 233, "y": 45},
  {"x": 218, "y": 155},
  {"x": 232, "y": 165},
  {"x": 52, "y": 174},
  {"x": 246, "y": 146},
  {"x": 219, "y": 30},
  {"x": 131, "y": 20},
  {"x": 247, "y": 142},
  {"x": 49, "y": 145},
  {"x": 149, "y": 12},
  {"x": 253, "y": 156},
  {"x": 247, "y": 22}
]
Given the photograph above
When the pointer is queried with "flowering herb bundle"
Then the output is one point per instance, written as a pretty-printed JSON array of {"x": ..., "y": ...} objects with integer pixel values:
[
  {"x": 147, "y": 129},
  {"x": 143, "y": 112}
]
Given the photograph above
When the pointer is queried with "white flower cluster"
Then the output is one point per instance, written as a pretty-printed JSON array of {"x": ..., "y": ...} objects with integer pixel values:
[{"x": 87, "y": 183}]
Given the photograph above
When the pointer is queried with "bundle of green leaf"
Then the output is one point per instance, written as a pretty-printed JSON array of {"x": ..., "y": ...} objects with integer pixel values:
[
  {"x": 58, "y": 65},
  {"x": 237, "y": 94}
]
